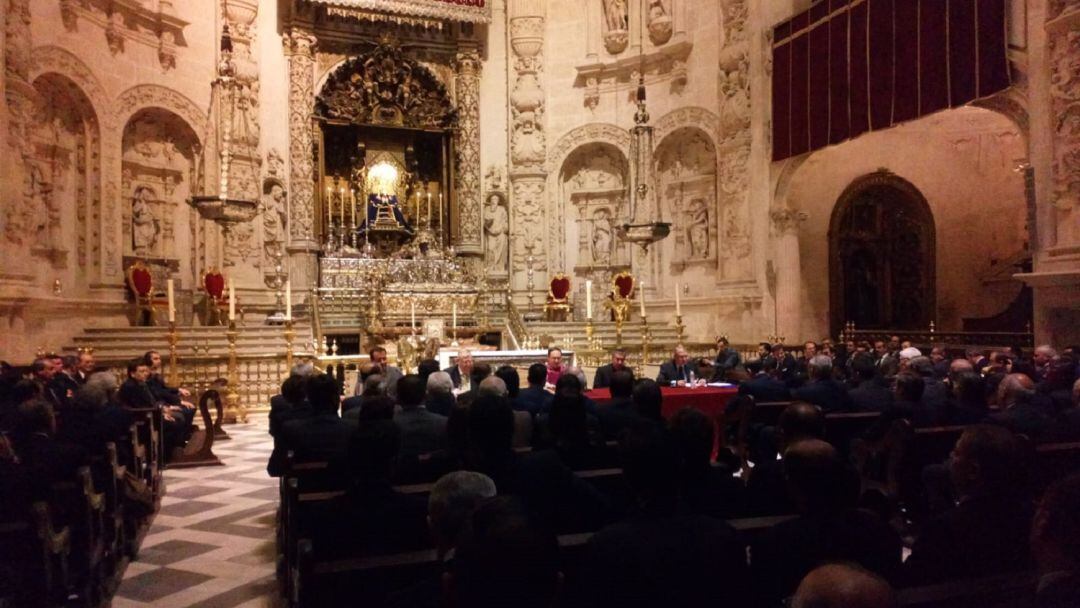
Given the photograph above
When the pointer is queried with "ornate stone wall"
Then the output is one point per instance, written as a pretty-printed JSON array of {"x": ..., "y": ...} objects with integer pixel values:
[
  {"x": 467, "y": 89},
  {"x": 299, "y": 48}
]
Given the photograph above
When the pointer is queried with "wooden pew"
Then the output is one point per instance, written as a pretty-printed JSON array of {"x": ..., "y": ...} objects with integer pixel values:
[
  {"x": 37, "y": 552},
  {"x": 1002, "y": 591}
]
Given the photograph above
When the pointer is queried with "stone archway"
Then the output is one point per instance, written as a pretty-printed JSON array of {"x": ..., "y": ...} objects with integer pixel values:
[{"x": 882, "y": 256}]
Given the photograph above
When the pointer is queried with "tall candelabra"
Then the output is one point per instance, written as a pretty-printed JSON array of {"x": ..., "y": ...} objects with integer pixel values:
[
  {"x": 646, "y": 340},
  {"x": 680, "y": 329},
  {"x": 174, "y": 362},
  {"x": 234, "y": 410},
  {"x": 529, "y": 285},
  {"x": 289, "y": 336}
]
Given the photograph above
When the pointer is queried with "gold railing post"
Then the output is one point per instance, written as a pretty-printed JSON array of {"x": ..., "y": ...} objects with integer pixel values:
[
  {"x": 645, "y": 339},
  {"x": 234, "y": 410},
  {"x": 289, "y": 335},
  {"x": 174, "y": 362}
]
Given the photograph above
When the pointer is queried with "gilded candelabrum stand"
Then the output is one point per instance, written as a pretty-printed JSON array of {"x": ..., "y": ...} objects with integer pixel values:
[
  {"x": 234, "y": 410},
  {"x": 174, "y": 362},
  {"x": 680, "y": 328},
  {"x": 289, "y": 335},
  {"x": 646, "y": 339}
]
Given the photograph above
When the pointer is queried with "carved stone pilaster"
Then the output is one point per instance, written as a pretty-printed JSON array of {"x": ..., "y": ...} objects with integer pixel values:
[
  {"x": 467, "y": 88},
  {"x": 528, "y": 145},
  {"x": 20, "y": 210},
  {"x": 788, "y": 264},
  {"x": 1063, "y": 39},
  {"x": 300, "y": 51}
]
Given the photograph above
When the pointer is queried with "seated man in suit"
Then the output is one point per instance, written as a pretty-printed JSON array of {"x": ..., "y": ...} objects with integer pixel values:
[
  {"x": 379, "y": 365},
  {"x": 1055, "y": 544},
  {"x": 677, "y": 371},
  {"x": 657, "y": 556},
  {"x": 619, "y": 413},
  {"x": 727, "y": 359},
  {"x": 986, "y": 533},
  {"x": 829, "y": 527},
  {"x": 461, "y": 371},
  {"x": 175, "y": 396},
  {"x": 705, "y": 489},
  {"x": 844, "y": 586},
  {"x": 871, "y": 394},
  {"x": 135, "y": 393},
  {"x": 422, "y": 431},
  {"x": 291, "y": 404},
  {"x": 602, "y": 379},
  {"x": 45, "y": 459},
  {"x": 766, "y": 489},
  {"x": 323, "y": 436},
  {"x": 1022, "y": 409},
  {"x": 822, "y": 390},
  {"x": 534, "y": 399},
  {"x": 440, "y": 397},
  {"x": 766, "y": 386}
]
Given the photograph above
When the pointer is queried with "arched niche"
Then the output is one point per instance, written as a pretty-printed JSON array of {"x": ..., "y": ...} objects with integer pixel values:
[
  {"x": 686, "y": 189},
  {"x": 882, "y": 256},
  {"x": 62, "y": 192},
  {"x": 159, "y": 159},
  {"x": 590, "y": 203}
]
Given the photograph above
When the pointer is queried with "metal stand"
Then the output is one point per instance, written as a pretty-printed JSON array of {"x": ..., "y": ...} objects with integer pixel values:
[
  {"x": 289, "y": 335},
  {"x": 646, "y": 339},
  {"x": 174, "y": 363},
  {"x": 680, "y": 328},
  {"x": 234, "y": 410}
]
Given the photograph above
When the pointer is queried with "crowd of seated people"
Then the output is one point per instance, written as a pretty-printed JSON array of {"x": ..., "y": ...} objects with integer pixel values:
[
  {"x": 75, "y": 442},
  {"x": 664, "y": 536}
]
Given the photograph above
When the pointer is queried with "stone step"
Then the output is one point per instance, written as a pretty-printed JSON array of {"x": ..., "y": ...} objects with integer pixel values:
[{"x": 113, "y": 344}]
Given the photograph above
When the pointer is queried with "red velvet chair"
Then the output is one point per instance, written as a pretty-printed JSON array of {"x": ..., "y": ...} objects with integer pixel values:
[
  {"x": 558, "y": 306},
  {"x": 622, "y": 294},
  {"x": 141, "y": 283},
  {"x": 216, "y": 304}
]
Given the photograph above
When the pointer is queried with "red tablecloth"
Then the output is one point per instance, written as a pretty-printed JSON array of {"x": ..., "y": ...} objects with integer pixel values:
[{"x": 708, "y": 400}]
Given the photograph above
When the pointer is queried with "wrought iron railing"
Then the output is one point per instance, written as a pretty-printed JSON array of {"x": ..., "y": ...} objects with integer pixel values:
[{"x": 954, "y": 339}]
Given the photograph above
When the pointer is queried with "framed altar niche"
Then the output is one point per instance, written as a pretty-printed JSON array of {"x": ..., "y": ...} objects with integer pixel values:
[{"x": 385, "y": 140}]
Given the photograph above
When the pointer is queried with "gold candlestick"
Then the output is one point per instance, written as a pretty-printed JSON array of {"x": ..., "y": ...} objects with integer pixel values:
[
  {"x": 234, "y": 410},
  {"x": 645, "y": 340},
  {"x": 680, "y": 328},
  {"x": 289, "y": 335},
  {"x": 174, "y": 363}
]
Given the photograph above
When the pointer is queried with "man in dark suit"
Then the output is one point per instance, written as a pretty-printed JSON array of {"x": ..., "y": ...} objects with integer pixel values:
[
  {"x": 461, "y": 371},
  {"x": 619, "y": 413},
  {"x": 169, "y": 395},
  {"x": 822, "y": 390},
  {"x": 534, "y": 399},
  {"x": 1022, "y": 409},
  {"x": 727, "y": 359},
  {"x": 46, "y": 460},
  {"x": 677, "y": 371},
  {"x": 85, "y": 366},
  {"x": 602, "y": 379},
  {"x": 380, "y": 365},
  {"x": 43, "y": 372},
  {"x": 765, "y": 387},
  {"x": 323, "y": 436},
  {"x": 871, "y": 394},
  {"x": 440, "y": 397},
  {"x": 766, "y": 489},
  {"x": 888, "y": 360},
  {"x": 987, "y": 532},
  {"x": 422, "y": 432},
  {"x": 1054, "y": 544},
  {"x": 134, "y": 393},
  {"x": 935, "y": 395},
  {"x": 705, "y": 489},
  {"x": 658, "y": 557},
  {"x": 63, "y": 382},
  {"x": 291, "y": 404},
  {"x": 829, "y": 527}
]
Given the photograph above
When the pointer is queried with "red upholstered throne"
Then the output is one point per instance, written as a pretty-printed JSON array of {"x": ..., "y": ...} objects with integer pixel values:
[
  {"x": 622, "y": 293},
  {"x": 558, "y": 306},
  {"x": 216, "y": 304},
  {"x": 141, "y": 283}
]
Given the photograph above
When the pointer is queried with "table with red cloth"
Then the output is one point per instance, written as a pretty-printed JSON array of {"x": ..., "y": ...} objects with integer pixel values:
[{"x": 708, "y": 399}]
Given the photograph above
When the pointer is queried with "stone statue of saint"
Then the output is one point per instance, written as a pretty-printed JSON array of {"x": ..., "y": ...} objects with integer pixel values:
[
  {"x": 698, "y": 231},
  {"x": 615, "y": 15},
  {"x": 601, "y": 237},
  {"x": 144, "y": 224},
  {"x": 274, "y": 217},
  {"x": 657, "y": 10},
  {"x": 496, "y": 230}
]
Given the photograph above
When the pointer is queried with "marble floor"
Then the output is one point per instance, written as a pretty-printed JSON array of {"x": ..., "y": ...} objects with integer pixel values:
[{"x": 212, "y": 543}]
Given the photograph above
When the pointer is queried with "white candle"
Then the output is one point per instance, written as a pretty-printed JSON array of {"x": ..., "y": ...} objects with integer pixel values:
[
  {"x": 232, "y": 302},
  {"x": 288, "y": 299},
  {"x": 172, "y": 305},
  {"x": 588, "y": 299},
  {"x": 412, "y": 313},
  {"x": 453, "y": 323},
  {"x": 329, "y": 207},
  {"x": 641, "y": 292},
  {"x": 678, "y": 305},
  {"x": 429, "y": 207}
]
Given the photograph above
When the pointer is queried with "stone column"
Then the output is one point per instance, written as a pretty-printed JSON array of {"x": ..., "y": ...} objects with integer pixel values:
[
  {"x": 528, "y": 146},
  {"x": 299, "y": 48},
  {"x": 470, "y": 222},
  {"x": 789, "y": 300},
  {"x": 19, "y": 211}
]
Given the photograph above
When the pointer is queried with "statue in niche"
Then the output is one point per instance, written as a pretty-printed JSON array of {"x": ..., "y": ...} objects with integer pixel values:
[
  {"x": 698, "y": 230},
  {"x": 601, "y": 236},
  {"x": 615, "y": 15},
  {"x": 144, "y": 224},
  {"x": 274, "y": 216},
  {"x": 659, "y": 22},
  {"x": 496, "y": 231},
  {"x": 41, "y": 210}
]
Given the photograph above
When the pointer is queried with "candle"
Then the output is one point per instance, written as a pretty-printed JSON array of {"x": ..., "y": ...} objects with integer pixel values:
[
  {"x": 453, "y": 323},
  {"x": 440, "y": 213},
  {"x": 416, "y": 218},
  {"x": 341, "y": 194},
  {"x": 429, "y": 207},
  {"x": 412, "y": 313},
  {"x": 232, "y": 301},
  {"x": 678, "y": 306},
  {"x": 588, "y": 299},
  {"x": 288, "y": 299},
  {"x": 641, "y": 292},
  {"x": 352, "y": 197},
  {"x": 172, "y": 305},
  {"x": 329, "y": 207}
]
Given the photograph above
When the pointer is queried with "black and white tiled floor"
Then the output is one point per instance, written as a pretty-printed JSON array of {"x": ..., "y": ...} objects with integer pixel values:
[{"x": 212, "y": 543}]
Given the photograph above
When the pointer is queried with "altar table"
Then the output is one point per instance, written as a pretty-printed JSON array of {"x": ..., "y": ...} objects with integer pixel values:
[{"x": 707, "y": 399}]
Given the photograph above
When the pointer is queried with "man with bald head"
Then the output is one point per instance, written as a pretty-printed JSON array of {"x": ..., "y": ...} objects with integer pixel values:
[
  {"x": 843, "y": 586},
  {"x": 461, "y": 371},
  {"x": 1022, "y": 409},
  {"x": 829, "y": 526}
]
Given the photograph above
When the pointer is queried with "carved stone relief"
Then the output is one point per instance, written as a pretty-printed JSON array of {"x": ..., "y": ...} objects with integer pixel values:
[
  {"x": 593, "y": 183},
  {"x": 660, "y": 23},
  {"x": 467, "y": 90},
  {"x": 527, "y": 97},
  {"x": 686, "y": 171},
  {"x": 152, "y": 24},
  {"x": 299, "y": 47},
  {"x": 1064, "y": 57},
  {"x": 616, "y": 26},
  {"x": 496, "y": 223}
]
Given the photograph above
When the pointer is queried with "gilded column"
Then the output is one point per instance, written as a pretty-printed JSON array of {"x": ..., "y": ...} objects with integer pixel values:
[
  {"x": 528, "y": 147},
  {"x": 786, "y": 223},
  {"x": 467, "y": 86},
  {"x": 300, "y": 47}
]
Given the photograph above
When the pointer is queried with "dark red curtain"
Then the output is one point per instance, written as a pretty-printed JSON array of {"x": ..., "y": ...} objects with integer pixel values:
[{"x": 845, "y": 67}]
